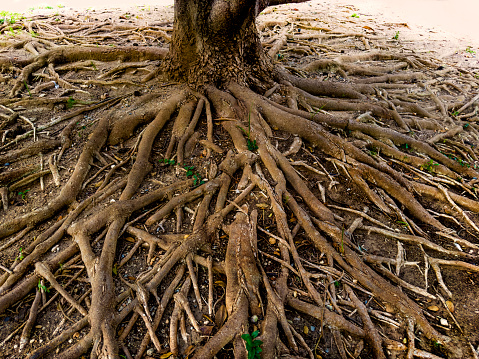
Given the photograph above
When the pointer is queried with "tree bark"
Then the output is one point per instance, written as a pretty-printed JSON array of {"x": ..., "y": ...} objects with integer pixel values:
[{"x": 215, "y": 41}]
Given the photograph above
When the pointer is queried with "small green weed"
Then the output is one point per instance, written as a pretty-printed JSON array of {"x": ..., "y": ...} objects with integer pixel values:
[
  {"x": 470, "y": 50},
  {"x": 316, "y": 111},
  {"x": 20, "y": 254},
  {"x": 9, "y": 17},
  {"x": 355, "y": 15},
  {"x": 429, "y": 166},
  {"x": 189, "y": 170},
  {"x": 198, "y": 181},
  {"x": 405, "y": 224},
  {"x": 42, "y": 286},
  {"x": 70, "y": 102},
  {"x": 463, "y": 163},
  {"x": 23, "y": 194},
  {"x": 253, "y": 345},
  {"x": 458, "y": 160},
  {"x": 167, "y": 161},
  {"x": 396, "y": 37},
  {"x": 28, "y": 88},
  {"x": 252, "y": 146}
]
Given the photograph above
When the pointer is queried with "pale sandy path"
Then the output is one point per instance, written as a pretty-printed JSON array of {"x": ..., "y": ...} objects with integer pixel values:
[
  {"x": 444, "y": 27},
  {"x": 25, "y": 5},
  {"x": 454, "y": 19}
]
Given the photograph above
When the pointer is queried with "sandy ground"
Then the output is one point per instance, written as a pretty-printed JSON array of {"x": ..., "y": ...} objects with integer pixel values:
[
  {"x": 455, "y": 20},
  {"x": 25, "y": 5}
]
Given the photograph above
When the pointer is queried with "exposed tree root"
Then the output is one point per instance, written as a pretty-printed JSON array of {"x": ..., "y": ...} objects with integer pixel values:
[{"x": 264, "y": 158}]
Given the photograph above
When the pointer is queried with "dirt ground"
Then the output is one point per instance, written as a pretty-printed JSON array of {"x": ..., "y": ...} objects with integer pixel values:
[{"x": 89, "y": 88}]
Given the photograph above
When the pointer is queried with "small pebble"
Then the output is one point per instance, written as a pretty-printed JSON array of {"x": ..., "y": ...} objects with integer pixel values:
[
  {"x": 444, "y": 322},
  {"x": 150, "y": 351},
  {"x": 254, "y": 319}
]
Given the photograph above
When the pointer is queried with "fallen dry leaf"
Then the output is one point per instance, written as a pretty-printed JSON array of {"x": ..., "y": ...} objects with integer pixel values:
[
  {"x": 220, "y": 316},
  {"x": 450, "y": 306},
  {"x": 220, "y": 283},
  {"x": 207, "y": 329}
]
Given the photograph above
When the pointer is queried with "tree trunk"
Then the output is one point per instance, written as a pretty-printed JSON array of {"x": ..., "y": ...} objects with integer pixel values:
[{"x": 215, "y": 41}]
